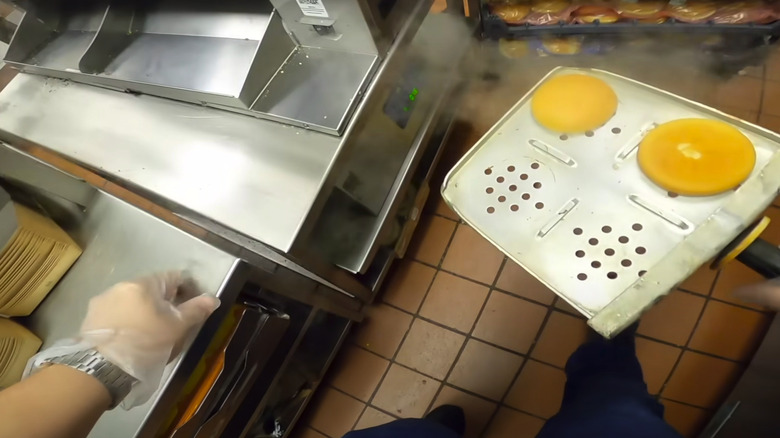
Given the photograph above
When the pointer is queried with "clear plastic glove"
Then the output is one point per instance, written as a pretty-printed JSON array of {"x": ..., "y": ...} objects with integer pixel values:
[
  {"x": 137, "y": 326},
  {"x": 765, "y": 294}
]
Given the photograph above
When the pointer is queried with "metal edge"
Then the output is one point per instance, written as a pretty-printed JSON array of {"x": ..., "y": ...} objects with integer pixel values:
[
  {"x": 371, "y": 98},
  {"x": 701, "y": 245},
  {"x": 614, "y": 317},
  {"x": 228, "y": 292}
]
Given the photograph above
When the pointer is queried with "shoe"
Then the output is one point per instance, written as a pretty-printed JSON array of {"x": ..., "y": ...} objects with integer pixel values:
[{"x": 449, "y": 416}]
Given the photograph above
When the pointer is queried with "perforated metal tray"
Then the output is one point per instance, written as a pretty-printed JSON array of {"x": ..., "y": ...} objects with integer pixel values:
[{"x": 578, "y": 214}]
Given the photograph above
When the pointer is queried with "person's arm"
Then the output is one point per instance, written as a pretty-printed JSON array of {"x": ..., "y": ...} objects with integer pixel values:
[
  {"x": 135, "y": 327},
  {"x": 58, "y": 401}
]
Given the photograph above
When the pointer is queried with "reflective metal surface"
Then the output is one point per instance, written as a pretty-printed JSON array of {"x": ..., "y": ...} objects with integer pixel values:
[
  {"x": 578, "y": 213},
  {"x": 263, "y": 184},
  {"x": 121, "y": 242},
  {"x": 236, "y": 56},
  {"x": 318, "y": 87},
  {"x": 257, "y": 177}
]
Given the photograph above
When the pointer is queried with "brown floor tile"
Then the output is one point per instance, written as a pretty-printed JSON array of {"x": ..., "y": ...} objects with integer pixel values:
[
  {"x": 372, "y": 417},
  {"x": 407, "y": 285},
  {"x": 657, "y": 361},
  {"x": 515, "y": 279},
  {"x": 687, "y": 420},
  {"x": 470, "y": 255},
  {"x": 769, "y": 122},
  {"x": 700, "y": 281},
  {"x": 729, "y": 331},
  {"x": 732, "y": 276},
  {"x": 673, "y": 318},
  {"x": 454, "y": 301},
  {"x": 740, "y": 92},
  {"x": 509, "y": 423},
  {"x": 485, "y": 370},
  {"x": 334, "y": 413},
  {"x": 478, "y": 411},
  {"x": 440, "y": 207},
  {"x": 538, "y": 390},
  {"x": 357, "y": 372},
  {"x": 756, "y": 71},
  {"x": 431, "y": 238},
  {"x": 510, "y": 322},
  {"x": 430, "y": 349},
  {"x": 701, "y": 380},
  {"x": 405, "y": 393},
  {"x": 560, "y": 337},
  {"x": 740, "y": 113},
  {"x": 771, "y": 104},
  {"x": 305, "y": 432},
  {"x": 382, "y": 330},
  {"x": 772, "y": 71},
  {"x": 564, "y": 306}
]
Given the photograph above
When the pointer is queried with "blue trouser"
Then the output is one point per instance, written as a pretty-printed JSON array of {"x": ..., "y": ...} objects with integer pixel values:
[{"x": 605, "y": 397}]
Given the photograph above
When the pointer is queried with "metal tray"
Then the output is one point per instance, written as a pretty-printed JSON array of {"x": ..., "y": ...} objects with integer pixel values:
[
  {"x": 233, "y": 55},
  {"x": 578, "y": 214}
]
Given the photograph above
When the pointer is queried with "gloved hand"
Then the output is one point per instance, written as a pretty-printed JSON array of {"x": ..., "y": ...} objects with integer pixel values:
[
  {"x": 764, "y": 294},
  {"x": 136, "y": 326}
]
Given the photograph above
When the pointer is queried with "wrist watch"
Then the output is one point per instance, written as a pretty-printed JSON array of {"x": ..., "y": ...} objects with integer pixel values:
[{"x": 117, "y": 381}]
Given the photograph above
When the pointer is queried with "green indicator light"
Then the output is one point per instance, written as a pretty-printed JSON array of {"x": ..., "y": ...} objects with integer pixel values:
[
  {"x": 415, "y": 91},
  {"x": 406, "y": 108},
  {"x": 412, "y": 97}
]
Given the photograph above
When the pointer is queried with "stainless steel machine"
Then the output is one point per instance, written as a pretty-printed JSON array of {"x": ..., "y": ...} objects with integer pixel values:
[
  {"x": 299, "y": 134},
  {"x": 343, "y": 96}
]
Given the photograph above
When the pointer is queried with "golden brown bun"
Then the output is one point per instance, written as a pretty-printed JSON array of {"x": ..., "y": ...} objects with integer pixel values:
[
  {"x": 549, "y": 6},
  {"x": 641, "y": 9},
  {"x": 589, "y": 14},
  {"x": 512, "y": 14},
  {"x": 692, "y": 10}
]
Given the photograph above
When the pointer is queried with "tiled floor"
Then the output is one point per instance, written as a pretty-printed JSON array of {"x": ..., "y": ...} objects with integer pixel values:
[{"x": 459, "y": 323}]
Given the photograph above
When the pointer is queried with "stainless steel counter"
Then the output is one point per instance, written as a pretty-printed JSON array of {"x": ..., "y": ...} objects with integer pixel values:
[
  {"x": 121, "y": 242},
  {"x": 254, "y": 176}
]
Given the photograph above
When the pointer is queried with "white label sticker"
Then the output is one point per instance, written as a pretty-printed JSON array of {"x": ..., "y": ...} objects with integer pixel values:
[{"x": 312, "y": 8}]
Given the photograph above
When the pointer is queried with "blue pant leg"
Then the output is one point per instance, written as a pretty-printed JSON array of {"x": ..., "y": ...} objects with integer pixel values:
[
  {"x": 606, "y": 396},
  {"x": 406, "y": 428}
]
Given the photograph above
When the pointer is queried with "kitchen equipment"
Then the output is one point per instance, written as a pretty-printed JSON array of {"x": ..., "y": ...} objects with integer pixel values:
[
  {"x": 336, "y": 134},
  {"x": 234, "y": 55},
  {"x": 578, "y": 214}
]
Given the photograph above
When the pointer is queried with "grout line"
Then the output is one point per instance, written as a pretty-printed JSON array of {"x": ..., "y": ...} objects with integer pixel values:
[
  {"x": 392, "y": 360},
  {"x": 502, "y": 403},
  {"x": 685, "y": 348},
  {"x": 690, "y": 336},
  {"x": 466, "y": 341},
  {"x": 468, "y": 335},
  {"x": 710, "y": 410},
  {"x": 318, "y": 431},
  {"x": 709, "y": 297}
]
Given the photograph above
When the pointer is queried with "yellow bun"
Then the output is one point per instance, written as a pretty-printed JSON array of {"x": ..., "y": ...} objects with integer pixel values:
[
  {"x": 513, "y": 49},
  {"x": 573, "y": 103},
  {"x": 696, "y": 157},
  {"x": 549, "y": 6}
]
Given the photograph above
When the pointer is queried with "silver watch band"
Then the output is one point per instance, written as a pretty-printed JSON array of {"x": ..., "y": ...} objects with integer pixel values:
[{"x": 117, "y": 382}]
